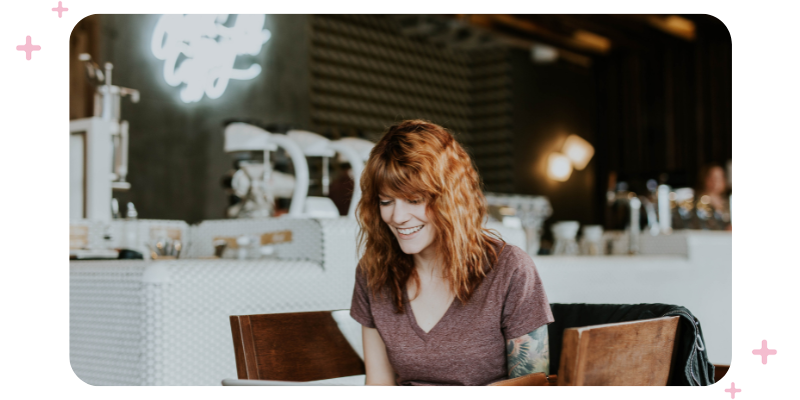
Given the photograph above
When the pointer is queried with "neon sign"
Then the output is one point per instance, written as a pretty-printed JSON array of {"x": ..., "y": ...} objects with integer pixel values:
[{"x": 200, "y": 50}]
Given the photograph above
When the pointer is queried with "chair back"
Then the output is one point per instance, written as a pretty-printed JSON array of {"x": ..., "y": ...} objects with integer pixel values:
[
  {"x": 636, "y": 353},
  {"x": 297, "y": 347}
]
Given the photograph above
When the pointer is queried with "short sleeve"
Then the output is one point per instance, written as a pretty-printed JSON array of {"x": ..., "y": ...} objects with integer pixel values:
[
  {"x": 360, "y": 307},
  {"x": 526, "y": 307}
]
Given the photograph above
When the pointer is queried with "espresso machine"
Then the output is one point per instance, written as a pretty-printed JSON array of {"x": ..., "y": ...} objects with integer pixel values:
[
  {"x": 99, "y": 148},
  {"x": 257, "y": 183},
  {"x": 632, "y": 212}
]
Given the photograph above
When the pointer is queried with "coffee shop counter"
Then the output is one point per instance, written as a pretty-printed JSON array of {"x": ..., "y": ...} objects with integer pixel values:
[
  {"x": 166, "y": 322},
  {"x": 696, "y": 275}
]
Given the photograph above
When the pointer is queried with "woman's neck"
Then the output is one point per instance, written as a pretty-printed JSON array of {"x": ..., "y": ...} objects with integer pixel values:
[
  {"x": 430, "y": 270},
  {"x": 427, "y": 263}
]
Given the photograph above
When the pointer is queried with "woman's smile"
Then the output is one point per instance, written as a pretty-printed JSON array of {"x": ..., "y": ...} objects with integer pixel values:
[{"x": 409, "y": 233}]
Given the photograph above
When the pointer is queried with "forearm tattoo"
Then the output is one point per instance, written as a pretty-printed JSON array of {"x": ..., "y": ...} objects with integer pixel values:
[{"x": 528, "y": 354}]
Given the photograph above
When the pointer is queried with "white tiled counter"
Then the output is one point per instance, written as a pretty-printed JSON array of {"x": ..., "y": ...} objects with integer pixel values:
[
  {"x": 167, "y": 322},
  {"x": 700, "y": 280}
]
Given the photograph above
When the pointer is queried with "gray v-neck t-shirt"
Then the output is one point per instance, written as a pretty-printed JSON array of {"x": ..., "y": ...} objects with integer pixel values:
[{"x": 467, "y": 345}]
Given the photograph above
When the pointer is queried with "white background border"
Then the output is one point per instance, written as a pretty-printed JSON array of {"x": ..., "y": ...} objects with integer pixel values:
[{"x": 34, "y": 207}]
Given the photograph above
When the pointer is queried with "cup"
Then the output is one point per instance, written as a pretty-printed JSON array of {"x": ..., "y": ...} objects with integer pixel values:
[
  {"x": 564, "y": 233},
  {"x": 592, "y": 240}
]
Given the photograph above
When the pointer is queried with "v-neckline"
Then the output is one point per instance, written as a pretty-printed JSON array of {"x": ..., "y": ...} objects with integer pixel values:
[{"x": 413, "y": 319}]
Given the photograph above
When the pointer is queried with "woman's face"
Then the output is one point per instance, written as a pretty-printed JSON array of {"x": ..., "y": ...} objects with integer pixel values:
[
  {"x": 715, "y": 181},
  {"x": 408, "y": 221}
]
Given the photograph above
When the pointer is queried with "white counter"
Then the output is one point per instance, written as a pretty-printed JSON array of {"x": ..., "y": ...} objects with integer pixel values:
[
  {"x": 699, "y": 281},
  {"x": 166, "y": 322},
  {"x": 135, "y": 322}
]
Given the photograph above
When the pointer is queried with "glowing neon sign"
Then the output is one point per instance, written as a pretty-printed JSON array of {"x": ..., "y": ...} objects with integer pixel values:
[{"x": 200, "y": 50}]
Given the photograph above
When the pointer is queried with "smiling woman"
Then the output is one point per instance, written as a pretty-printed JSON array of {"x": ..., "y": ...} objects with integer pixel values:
[{"x": 442, "y": 300}]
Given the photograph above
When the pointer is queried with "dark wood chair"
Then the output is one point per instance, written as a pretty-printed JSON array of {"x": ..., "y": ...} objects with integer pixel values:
[
  {"x": 537, "y": 379},
  {"x": 719, "y": 371},
  {"x": 297, "y": 347},
  {"x": 309, "y": 346},
  {"x": 638, "y": 353},
  {"x": 619, "y": 354}
]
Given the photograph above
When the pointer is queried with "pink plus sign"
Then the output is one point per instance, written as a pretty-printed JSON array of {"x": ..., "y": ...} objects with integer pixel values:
[
  {"x": 764, "y": 352},
  {"x": 733, "y": 390},
  {"x": 60, "y": 9},
  {"x": 28, "y": 47}
]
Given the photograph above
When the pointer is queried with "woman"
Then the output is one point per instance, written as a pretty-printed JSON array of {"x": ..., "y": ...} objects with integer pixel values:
[
  {"x": 441, "y": 301},
  {"x": 712, "y": 210}
]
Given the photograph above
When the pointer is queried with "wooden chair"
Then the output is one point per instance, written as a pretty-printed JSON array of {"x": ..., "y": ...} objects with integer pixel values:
[
  {"x": 537, "y": 379},
  {"x": 302, "y": 347},
  {"x": 638, "y": 353},
  {"x": 297, "y": 347},
  {"x": 620, "y": 354},
  {"x": 719, "y": 371}
]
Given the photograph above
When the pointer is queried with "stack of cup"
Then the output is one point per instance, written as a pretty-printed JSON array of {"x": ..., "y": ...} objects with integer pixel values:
[
  {"x": 592, "y": 240},
  {"x": 564, "y": 233}
]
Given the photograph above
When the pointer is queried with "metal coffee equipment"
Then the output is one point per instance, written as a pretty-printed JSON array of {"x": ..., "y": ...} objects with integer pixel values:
[
  {"x": 107, "y": 99},
  {"x": 99, "y": 148},
  {"x": 257, "y": 182}
]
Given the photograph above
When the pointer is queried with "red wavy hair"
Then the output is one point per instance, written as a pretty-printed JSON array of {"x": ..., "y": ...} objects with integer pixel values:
[{"x": 419, "y": 160}]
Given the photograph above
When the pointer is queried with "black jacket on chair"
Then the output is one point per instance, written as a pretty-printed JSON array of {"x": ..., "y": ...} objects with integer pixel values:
[{"x": 691, "y": 366}]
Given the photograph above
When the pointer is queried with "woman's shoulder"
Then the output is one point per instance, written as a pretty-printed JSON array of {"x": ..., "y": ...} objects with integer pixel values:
[
  {"x": 508, "y": 251},
  {"x": 511, "y": 259}
]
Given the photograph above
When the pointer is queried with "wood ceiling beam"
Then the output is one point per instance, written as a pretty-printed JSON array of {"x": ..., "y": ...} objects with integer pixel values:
[
  {"x": 623, "y": 33},
  {"x": 485, "y": 23},
  {"x": 537, "y": 31},
  {"x": 673, "y": 25}
]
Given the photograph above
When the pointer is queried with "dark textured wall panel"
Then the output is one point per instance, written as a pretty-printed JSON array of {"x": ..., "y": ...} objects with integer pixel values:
[{"x": 366, "y": 75}]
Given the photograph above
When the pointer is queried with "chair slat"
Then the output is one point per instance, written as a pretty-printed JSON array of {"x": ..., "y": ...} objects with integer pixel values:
[
  {"x": 622, "y": 354},
  {"x": 296, "y": 347}
]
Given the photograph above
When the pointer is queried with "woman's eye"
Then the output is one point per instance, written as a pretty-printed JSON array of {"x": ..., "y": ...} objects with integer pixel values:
[{"x": 385, "y": 202}]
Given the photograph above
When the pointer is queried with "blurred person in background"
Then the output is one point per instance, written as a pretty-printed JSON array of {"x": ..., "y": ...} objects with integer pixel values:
[
  {"x": 341, "y": 189},
  {"x": 712, "y": 208}
]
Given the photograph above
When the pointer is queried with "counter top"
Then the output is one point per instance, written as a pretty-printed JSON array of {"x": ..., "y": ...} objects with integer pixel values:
[{"x": 701, "y": 281}]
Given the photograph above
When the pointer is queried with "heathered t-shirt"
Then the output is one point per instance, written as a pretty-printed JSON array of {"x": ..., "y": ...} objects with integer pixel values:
[{"x": 467, "y": 345}]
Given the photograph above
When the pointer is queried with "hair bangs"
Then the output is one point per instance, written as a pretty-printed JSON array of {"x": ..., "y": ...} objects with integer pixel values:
[{"x": 397, "y": 179}]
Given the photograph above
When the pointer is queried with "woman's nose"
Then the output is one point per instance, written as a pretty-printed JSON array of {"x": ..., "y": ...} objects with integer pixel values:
[{"x": 400, "y": 214}]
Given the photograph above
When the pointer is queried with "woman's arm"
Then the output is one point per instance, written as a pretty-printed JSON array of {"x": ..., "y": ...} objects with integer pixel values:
[
  {"x": 528, "y": 354},
  {"x": 379, "y": 371}
]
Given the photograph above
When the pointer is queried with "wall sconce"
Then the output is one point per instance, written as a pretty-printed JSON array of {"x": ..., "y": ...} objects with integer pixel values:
[
  {"x": 575, "y": 153},
  {"x": 559, "y": 167},
  {"x": 578, "y": 150}
]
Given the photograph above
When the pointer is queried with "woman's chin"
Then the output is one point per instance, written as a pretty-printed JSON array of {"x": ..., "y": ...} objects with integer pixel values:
[{"x": 410, "y": 249}]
